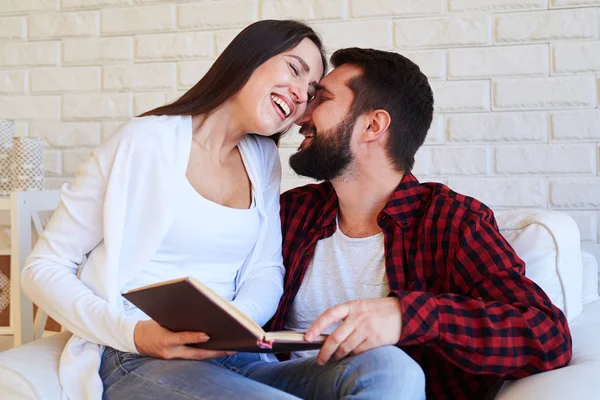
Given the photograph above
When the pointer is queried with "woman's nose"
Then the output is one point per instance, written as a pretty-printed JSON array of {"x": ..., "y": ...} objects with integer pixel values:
[{"x": 299, "y": 94}]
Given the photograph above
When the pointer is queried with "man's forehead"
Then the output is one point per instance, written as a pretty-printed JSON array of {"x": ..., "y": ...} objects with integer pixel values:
[{"x": 340, "y": 76}]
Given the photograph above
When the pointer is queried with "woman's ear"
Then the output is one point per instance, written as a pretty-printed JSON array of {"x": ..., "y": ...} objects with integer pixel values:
[{"x": 377, "y": 124}]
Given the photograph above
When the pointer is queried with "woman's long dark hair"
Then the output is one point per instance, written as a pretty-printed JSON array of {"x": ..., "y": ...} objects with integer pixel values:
[{"x": 247, "y": 51}]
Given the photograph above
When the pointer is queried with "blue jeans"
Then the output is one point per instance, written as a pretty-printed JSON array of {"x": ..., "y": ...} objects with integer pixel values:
[{"x": 383, "y": 373}]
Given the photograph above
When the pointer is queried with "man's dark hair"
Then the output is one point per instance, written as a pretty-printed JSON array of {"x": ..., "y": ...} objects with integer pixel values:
[{"x": 391, "y": 82}]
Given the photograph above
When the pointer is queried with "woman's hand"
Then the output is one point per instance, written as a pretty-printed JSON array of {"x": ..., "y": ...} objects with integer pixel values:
[{"x": 153, "y": 340}]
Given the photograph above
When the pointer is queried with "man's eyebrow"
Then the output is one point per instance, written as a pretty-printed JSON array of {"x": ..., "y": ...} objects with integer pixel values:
[{"x": 321, "y": 88}]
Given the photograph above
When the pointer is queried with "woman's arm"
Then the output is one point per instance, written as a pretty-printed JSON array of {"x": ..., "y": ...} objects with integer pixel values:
[{"x": 50, "y": 279}]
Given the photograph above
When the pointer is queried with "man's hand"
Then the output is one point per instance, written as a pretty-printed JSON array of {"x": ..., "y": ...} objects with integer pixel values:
[
  {"x": 153, "y": 340},
  {"x": 366, "y": 324}
]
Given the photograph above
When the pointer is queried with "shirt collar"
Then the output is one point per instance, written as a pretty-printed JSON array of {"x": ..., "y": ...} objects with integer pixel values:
[
  {"x": 404, "y": 203},
  {"x": 401, "y": 207}
]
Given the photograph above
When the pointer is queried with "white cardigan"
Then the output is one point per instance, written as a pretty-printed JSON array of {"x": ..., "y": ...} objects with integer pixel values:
[{"x": 118, "y": 210}]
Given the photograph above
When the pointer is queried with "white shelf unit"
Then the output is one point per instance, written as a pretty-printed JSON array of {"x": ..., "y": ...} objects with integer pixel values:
[{"x": 24, "y": 210}]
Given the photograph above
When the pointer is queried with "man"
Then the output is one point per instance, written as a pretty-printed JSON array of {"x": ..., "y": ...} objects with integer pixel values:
[{"x": 376, "y": 258}]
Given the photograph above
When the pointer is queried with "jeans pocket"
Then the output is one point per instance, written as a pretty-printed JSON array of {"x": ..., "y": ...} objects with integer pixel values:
[
  {"x": 125, "y": 357},
  {"x": 110, "y": 369},
  {"x": 130, "y": 361},
  {"x": 108, "y": 351}
]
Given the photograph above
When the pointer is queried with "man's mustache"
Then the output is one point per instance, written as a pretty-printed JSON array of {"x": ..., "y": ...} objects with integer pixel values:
[{"x": 304, "y": 129}]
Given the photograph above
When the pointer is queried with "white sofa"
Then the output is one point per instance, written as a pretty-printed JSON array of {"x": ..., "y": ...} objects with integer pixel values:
[{"x": 549, "y": 242}]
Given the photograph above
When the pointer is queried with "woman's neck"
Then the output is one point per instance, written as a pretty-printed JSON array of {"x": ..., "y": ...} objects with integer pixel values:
[{"x": 217, "y": 133}]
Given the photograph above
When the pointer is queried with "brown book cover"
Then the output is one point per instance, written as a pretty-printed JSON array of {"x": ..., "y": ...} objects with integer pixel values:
[{"x": 188, "y": 305}]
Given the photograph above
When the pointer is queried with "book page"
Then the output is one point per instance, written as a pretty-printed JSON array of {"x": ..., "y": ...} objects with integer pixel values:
[{"x": 292, "y": 336}]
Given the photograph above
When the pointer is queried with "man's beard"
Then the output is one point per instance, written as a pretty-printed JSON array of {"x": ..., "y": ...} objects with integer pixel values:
[{"x": 328, "y": 155}]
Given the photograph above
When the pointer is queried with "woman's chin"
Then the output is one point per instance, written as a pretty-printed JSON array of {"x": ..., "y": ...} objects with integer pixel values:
[
  {"x": 265, "y": 133},
  {"x": 272, "y": 130}
]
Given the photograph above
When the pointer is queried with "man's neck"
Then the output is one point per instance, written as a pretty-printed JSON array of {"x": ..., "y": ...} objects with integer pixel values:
[{"x": 362, "y": 198}]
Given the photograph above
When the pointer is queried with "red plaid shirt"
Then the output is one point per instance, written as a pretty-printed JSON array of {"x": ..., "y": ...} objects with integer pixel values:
[{"x": 470, "y": 316}]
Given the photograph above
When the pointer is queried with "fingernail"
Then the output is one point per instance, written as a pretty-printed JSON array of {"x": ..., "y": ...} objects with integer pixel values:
[{"x": 309, "y": 337}]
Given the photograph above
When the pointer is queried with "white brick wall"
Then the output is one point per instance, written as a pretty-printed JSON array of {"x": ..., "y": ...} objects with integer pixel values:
[
  {"x": 498, "y": 61},
  {"x": 517, "y": 82},
  {"x": 302, "y": 9},
  {"x": 449, "y": 31},
  {"x": 97, "y": 51},
  {"x": 64, "y": 79},
  {"x": 496, "y": 5},
  {"x": 173, "y": 46},
  {"x": 546, "y": 26},
  {"x": 216, "y": 14},
  {"x": 13, "y": 28},
  {"x": 43, "y": 26}
]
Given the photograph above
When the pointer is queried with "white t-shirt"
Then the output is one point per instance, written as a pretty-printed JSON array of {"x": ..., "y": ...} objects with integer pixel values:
[
  {"x": 207, "y": 241},
  {"x": 342, "y": 269}
]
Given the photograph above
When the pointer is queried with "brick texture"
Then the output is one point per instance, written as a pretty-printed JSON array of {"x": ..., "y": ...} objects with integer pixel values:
[{"x": 516, "y": 82}]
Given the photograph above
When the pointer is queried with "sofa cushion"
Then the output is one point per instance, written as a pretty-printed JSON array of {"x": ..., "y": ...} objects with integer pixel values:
[
  {"x": 31, "y": 371},
  {"x": 549, "y": 244}
]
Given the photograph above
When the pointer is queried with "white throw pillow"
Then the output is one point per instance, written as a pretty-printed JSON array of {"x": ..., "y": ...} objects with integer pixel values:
[{"x": 549, "y": 243}]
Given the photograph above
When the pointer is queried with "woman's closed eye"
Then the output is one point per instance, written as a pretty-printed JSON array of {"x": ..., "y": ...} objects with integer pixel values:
[{"x": 295, "y": 70}]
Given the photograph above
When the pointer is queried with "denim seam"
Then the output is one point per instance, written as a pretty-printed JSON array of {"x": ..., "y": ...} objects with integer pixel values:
[
  {"x": 119, "y": 364},
  {"x": 156, "y": 382},
  {"x": 351, "y": 370}
]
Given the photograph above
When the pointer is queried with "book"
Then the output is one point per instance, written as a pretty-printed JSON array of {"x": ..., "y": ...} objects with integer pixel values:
[{"x": 187, "y": 304}]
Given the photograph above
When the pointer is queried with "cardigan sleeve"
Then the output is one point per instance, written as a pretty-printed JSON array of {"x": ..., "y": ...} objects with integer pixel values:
[
  {"x": 260, "y": 292},
  {"x": 50, "y": 278}
]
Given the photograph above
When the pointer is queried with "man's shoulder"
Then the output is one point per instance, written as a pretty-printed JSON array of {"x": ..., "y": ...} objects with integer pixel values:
[
  {"x": 441, "y": 199},
  {"x": 315, "y": 193}
]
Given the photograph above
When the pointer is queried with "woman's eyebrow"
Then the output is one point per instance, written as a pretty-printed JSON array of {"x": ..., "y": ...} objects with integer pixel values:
[
  {"x": 305, "y": 66},
  {"x": 306, "y": 69}
]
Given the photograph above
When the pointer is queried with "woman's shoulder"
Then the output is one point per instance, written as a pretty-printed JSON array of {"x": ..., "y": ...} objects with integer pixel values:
[
  {"x": 265, "y": 155},
  {"x": 263, "y": 148},
  {"x": 148, "y": 128},
  {"x": 144, "y": 133}
]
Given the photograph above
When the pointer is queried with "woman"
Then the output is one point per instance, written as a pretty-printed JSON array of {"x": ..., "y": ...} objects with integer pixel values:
[{"x": 183, "y": 190}]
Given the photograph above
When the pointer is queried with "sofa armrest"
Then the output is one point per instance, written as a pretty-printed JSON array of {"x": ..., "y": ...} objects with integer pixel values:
[{"x": 590, "y": 278}]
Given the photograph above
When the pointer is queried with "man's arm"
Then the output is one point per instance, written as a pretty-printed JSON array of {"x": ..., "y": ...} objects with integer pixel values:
[{"x": 496, "y": 321}]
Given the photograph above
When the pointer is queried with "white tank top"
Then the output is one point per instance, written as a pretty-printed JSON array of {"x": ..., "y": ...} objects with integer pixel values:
[{"x": 207, "y": 241}]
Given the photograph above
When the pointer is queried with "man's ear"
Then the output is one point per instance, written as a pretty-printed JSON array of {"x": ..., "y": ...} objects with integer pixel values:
[{"x": 378, "y": 122}]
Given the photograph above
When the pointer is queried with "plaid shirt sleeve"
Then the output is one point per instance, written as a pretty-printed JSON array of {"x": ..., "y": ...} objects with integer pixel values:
[{"x": 494, "y": 320}]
